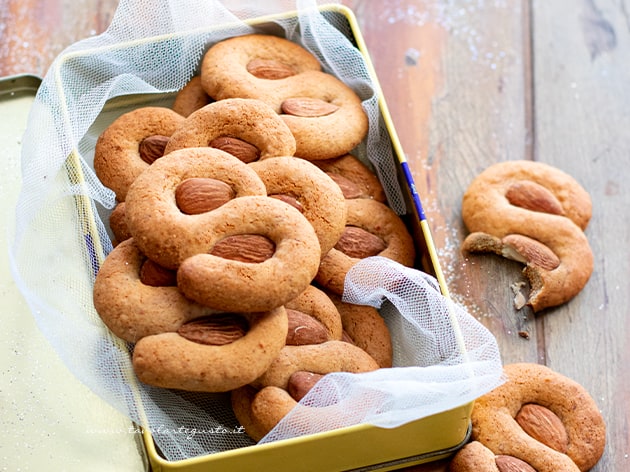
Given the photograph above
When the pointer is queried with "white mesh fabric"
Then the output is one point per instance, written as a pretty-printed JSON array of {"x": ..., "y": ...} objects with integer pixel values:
[
  {"x": 444, "y": 358},
  {"x": 153, "y": 47}
]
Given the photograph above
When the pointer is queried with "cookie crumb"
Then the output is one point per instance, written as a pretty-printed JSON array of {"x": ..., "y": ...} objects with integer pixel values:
[{"x": 519, "y": 299}]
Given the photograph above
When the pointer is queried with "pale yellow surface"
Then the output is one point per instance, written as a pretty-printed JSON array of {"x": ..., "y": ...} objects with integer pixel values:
[{"x": 48, "y": 419}]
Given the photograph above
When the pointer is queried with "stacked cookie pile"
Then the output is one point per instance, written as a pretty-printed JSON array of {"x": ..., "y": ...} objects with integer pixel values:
[{"x": 240, "y": 211}]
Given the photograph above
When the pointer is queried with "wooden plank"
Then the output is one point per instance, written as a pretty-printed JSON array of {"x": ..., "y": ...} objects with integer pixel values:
[
  {"x": 455, "y": 77},
  {"x": 582, "y": 71},
  {"x": 34, "y": 32}
]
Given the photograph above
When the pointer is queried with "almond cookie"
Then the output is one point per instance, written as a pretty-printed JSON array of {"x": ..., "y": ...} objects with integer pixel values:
[
  {"x": 315, "y": 304},
  {"x": 261, "y": 253},
  {"x": 132, "y": 306},
  {"x": 316, "y": 106},
  {"x": 248, "y": 129},
  {"x": 130, "y": 144},
  {"x": 311, "y": 191},
  {"x": 162, "y": 230},
  {"x": 354, "y": 178},
  {"x": 535, "y": 214},
  {"x": 191, "y": 98},
  {"x": 210, "y": 354},
  {"x": 366, "y": 328},
  {"x": 372, "y": 228},
  {"x": 539, "y": 417},
  {"x": 260, "y": 406}
]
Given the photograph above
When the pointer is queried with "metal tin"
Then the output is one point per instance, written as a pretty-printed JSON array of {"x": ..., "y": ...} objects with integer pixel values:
[
  {"x": 47, "y": 411},
  {"x": 361, "y": 447}
]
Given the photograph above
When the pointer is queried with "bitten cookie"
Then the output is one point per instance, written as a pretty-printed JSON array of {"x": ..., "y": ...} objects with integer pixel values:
[
  {"x": 130, "y": 144},
  {"x": 539, "y": 417},
  {"x": 535, "y": 214}
]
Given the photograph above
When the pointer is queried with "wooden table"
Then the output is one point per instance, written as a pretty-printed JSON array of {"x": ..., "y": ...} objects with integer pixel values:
[{"x": 471, "y": 83}]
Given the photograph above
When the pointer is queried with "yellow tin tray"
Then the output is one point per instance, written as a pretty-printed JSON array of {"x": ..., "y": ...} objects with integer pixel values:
[{"x": 45, "y": 408}]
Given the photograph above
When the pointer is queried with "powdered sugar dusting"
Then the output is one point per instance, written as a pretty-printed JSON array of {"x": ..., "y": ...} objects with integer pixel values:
[
  {"x": 32, "y": 34},
  {"x": 463, "y": 20}
]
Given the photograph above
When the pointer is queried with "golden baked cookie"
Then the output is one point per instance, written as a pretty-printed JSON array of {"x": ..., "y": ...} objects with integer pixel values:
[
  {"x": 315, "y": 304},
  {"x": 250, "y": 253},
  {"x": 191, "y": 97},
  {"x": 130, "y": 144},
  {"x": 535, "y": 214},
  {"x": 255, "y": 66},
  {"x": 229, "y": 280},
  {"x": 366, "y": 328},
  {"x": 246, "y": 128},
  {"x": 133, "y": 308},
  {"x": 164, "y": 232},
  {"x": 537, "y": 416},
  {"x": 316, "y": 106},
  {"x": 212, "y": 355},
  {"x": 261, "y": 405},
  {"x": 311, "y": 191},
  {"x": 372, "y": 229},
  {"x": 355, "y": 179}
]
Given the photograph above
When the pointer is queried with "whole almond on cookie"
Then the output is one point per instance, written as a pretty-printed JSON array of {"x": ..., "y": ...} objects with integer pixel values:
[
  {"x": 252, "y": 248},
  {"x": 307, "y": 107},
  {"x": 240, "y": 149},
  {"x": 532, "y": 196},
  {"x": 524, "y": 249},
  {"x": 269, "y": 69},
  {"x": 152, "y": 148},
  {"x": 348, "y": 188},
  {"x": 301, "y": 382},
  {"x": 215, "y": 330},
  {"x": 543, "y": 425},
  {"x": 199, "y": 195},
  {"x": 304, "y": 329},
  {"x": 154, "y": 275},
  {"x": 512, "y": 464},
  {"x": 359, "y": 243}
]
